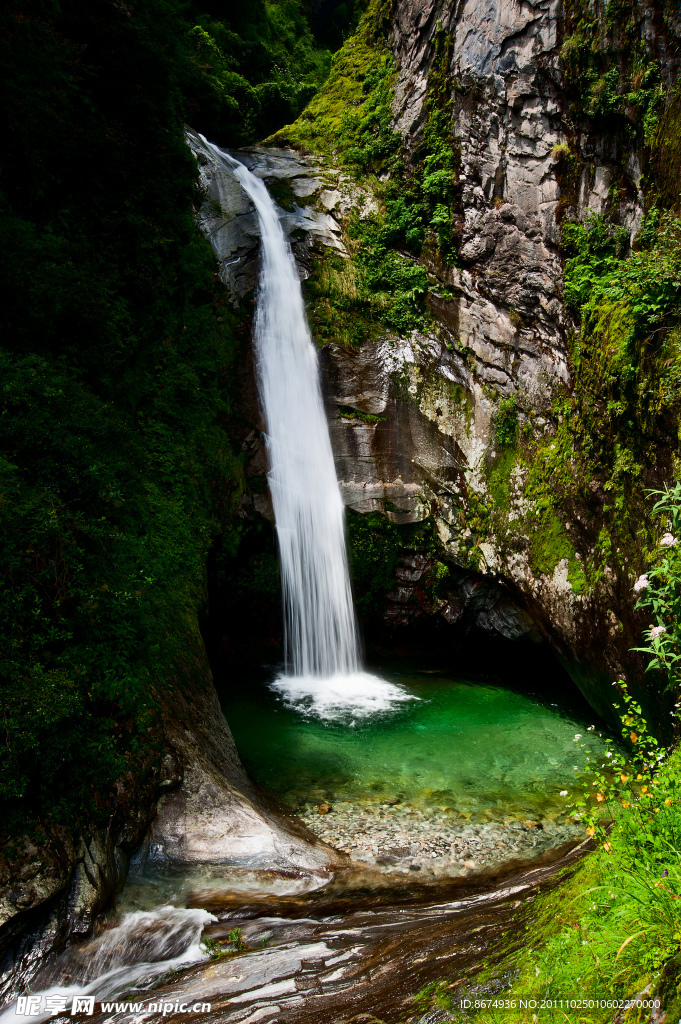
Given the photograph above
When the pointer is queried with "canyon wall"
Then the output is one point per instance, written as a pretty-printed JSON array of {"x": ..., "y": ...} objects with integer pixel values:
[{"x": 475, "y": 422}]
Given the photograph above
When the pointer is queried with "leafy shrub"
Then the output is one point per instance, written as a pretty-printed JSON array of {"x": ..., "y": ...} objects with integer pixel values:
[
  {"x": 660, "y": 592},
  {"x": 594, "y": 252},
  {"x": 506, "y": 424}
]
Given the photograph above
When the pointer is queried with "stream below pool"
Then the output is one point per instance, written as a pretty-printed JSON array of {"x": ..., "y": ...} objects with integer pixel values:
[{"x": 451, "y": 804}]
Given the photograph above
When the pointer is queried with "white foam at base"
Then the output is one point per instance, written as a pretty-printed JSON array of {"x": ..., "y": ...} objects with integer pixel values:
[{"x": 359, "y": 695}]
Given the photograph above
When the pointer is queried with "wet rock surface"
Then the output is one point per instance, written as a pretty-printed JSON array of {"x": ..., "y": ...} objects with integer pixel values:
[
  {"x": 211, "y": 812},
  {"x": 326, "y": 957},
  {"x": 228, "y": 219}
]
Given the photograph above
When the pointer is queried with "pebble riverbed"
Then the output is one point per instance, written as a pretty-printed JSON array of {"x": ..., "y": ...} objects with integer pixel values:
[{"x": 400, "y": 839}]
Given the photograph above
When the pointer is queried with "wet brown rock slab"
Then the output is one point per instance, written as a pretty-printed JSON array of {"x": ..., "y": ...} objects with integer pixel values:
[{"x": 329, "y": 960}]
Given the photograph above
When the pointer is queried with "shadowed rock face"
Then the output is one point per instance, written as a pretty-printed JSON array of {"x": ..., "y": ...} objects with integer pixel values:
[
  {"x": 208, "y": 813},
  {"x": 397, "y": 461}
]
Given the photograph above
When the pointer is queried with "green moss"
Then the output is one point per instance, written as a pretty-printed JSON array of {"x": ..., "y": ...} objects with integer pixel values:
[
  {"x": 506, "y": 422},
  {"x": 611, "y": 76},
  {"x": 549, "y": 545},
  {"x": 440, "y": 579},
  {"x": 350, "y": 119},
  {"x": 348, "y": 413},
  {"x": 499, "y": 479},
  {"x": 666, "y": 156},
  {"x": 352, "y": 300},
  {"x": 374, "y": 546},
  {"x": 381, "y": 285},
  {"x": 609, "y": 431},
  {"x": 282, "y": 192}
]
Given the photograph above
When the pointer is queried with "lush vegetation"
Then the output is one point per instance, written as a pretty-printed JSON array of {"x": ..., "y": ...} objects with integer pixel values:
[
  {"x": 612, "y": 930},
  {"x": 253, "y": 66},
  {"x": 118, "y": 477},
  {"x": 615, "y": 430},
  {"x": 383, "y": 285},
  {"x": 613, "y": 79},
  {"x": 117, "y": 473}
]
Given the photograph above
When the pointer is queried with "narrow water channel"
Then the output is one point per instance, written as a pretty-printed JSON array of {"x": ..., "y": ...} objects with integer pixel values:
[{"x": 353, "y": 948}]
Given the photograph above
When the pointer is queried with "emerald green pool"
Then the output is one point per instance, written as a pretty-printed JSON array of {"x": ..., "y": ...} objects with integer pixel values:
[{"x": 467, "y": 747}]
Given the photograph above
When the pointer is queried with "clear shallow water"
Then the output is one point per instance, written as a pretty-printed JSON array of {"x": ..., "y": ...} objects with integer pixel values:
[{"x": 459, "y": 745}]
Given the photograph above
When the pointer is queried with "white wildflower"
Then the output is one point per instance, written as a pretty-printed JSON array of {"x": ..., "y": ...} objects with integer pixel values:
[
  {"x": 578, "y": 736},
  {"x": 608, "y": 753},
  {"x": 656, "y": 631},
  {"x": 591, "y": 728},
  {"x": 641, "y": 583},
  {"x": 563, "y": 792},
  {"x": 669, "y": 541}
]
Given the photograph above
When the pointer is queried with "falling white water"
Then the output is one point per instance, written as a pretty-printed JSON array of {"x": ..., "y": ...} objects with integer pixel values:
[
  {"x": 323, "y": 666},
  {"x": 128, "y": 958}
]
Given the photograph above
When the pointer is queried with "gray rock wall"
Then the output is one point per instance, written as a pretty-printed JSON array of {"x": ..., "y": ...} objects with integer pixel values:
[{"x": 413, "y": 419}]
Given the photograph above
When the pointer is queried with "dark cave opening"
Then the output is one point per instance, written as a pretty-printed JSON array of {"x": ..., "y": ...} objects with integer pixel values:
[{"x": 493, "y": 639}]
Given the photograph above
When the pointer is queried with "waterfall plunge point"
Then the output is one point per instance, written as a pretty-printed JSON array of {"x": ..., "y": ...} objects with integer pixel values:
[{"x": 323, "y": 674}]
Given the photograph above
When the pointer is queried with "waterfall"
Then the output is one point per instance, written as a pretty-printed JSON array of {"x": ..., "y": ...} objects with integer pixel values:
[
  {"x": 323, "y": 665},
  {"x": 321, "y": 634}
]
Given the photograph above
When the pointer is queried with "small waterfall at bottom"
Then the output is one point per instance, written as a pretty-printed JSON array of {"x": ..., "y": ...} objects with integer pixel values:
[
  {"x": 130, "y": 957},
  {"x": 323, "y": 669}
]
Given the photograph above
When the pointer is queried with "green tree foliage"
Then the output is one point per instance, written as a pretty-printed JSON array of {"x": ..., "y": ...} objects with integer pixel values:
[
  {"x": 253, "y": 67},
  {"x": 116, "y": 468},
  {"x": 116, "y": 471}
]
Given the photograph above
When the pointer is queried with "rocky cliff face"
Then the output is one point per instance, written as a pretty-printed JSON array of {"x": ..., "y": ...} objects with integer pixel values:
[
  {"x": 418, "y": 420},
  {"x": 410, "y": 418}
]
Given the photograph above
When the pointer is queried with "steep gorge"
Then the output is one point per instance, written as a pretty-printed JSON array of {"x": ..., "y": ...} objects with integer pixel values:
[{"x": 463, "y": 395}]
